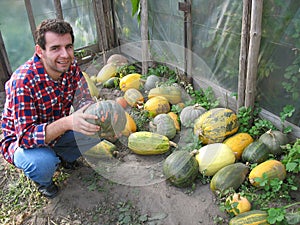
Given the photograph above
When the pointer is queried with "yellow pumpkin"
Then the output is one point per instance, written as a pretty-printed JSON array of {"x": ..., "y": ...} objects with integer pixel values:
[
  {"x": 130, "y": 125},
  {"x": 133, "y": 97},
  {"x": 172, "y": 93},
  {"x": 174, "y": 117},
  {"x": 238, "y": 203},
  {"x": 238, "y": 143},
  {"x": 157, "y": 105},
  {"x": 107, "y": 71},
  {"x": 91, "y": 85},
  {"x": 130, "y": 81}
]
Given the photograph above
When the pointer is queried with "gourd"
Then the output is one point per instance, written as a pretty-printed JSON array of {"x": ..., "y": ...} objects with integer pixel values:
[
  {"x": 213, "y": 157},
  {"x": 132, "y": 80},
  {"x": 175, "y": 119},
  {"x": 172, "y": 93},
  {"x": 164, "y": 125},
  {"x": 230, "y": 176},
  {"x": 238, "y": 203},
  {"x": 215, "y": 125},
  {"x": 103, "y": 149},
  {"x": 130, "y": 125},
  {"x": 252, "y": 217},
  {"x": 111, "y": 118},
  {"x": 273, "y": 139},
  {"x": 106, "y": 72},
  {"x": 271, "y": 169},
  {"x": 256, "y": 152},
  {"x": 94, "y": 92},
  {"x": 133, "y": 97},
  {"x": 189, "y": 114},
  {"x": 122, "y": 102},
  {"x": 112, "y": 82},
  {"x": 117, "y": 60},
  {"x": 238, "y": 142},
  {"x": 148, "y": 143},
  {"x": 157, "y": 105},
  {"x": 151, "y": 82},
  {"x": 180, "y": 168}
]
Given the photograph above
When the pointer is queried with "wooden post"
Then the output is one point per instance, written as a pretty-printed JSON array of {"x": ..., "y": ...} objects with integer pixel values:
[
  {"x": 5, "y": 69},
  {"x": 144, "y": 35},
  {"x": 254, "y": 45},
  {"x": 30, "y": 18},
  {"x": 58, "y": 9},
  {"x": 244, "y": 53},
  {"x": 189, "y": 41}
]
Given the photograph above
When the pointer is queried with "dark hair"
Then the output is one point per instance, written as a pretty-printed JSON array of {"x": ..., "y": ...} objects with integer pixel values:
[{"x": 55, "y": 25}]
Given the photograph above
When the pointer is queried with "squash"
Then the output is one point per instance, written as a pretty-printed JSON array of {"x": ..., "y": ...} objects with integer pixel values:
[
  {"x": 213, "y": 157},
  {"x": 274, "y": 139},
  {"x": 238, "y": 142},
  {"x": 189, "y": 114},
  {"x": 133, "y": 97},
  {"x": 252, "y": 217},
  {"x": 157, "y": 105},
  {"x": 132, "y": 80},
  {"x": 256, "y": 152},
  {"x": 172, "y": 93},
  {"x": 148, "y": 143},
  {"x": 238, "y": 203},
  {"x": 151, "y": 82},
  {"x": 111, "y": 118},
  {"x": 215, "y": 125},
  {"x": 271, "y": 168},
  {"x": 130, "y": 125},
  {"x": 94, "y": 92},
  {"x": 231, "y": 176},
  {"x": 122, "y": 102},
  {"x": 103, "y": 149},
  {"x": 106, "y": 72},
  {"x": 175, "y": 119},
  {"x": 117, "y": 60},
  {"x": 112, "y": 82},
  {"x": 164, "y": 125},
  {"x": 180, "y": 168}
]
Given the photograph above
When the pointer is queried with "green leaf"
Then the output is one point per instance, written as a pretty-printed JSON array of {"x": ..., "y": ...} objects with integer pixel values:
[{"x": 135, "y": 4}]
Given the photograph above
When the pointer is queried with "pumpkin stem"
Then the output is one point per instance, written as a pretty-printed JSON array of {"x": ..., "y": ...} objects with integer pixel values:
[
  {"x": 194, "y": 152},
  {"x": 269, "y": 131},
  {"x": 173, "y": 144},
  {"x": 239, "y": 196}
]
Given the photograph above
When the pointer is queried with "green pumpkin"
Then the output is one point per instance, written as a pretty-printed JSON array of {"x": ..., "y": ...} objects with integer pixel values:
[
  {"x": 180, "y": 168},
  {"x": 274, "y": 139},
  {"x": 163, "y": 124},
  {"x": 256, "y": 152}
]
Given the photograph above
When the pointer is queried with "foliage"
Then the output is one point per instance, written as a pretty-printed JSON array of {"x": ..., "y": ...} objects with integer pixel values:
[
  {"x": 291, "y": 159},
  {"x": 126, "y": 69}
]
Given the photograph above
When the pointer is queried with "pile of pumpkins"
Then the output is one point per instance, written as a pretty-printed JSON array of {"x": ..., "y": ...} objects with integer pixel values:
[{"x": 226, "y": 152}]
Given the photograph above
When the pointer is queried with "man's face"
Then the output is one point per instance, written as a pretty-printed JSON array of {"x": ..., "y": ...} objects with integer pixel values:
[{"x": 58, "y": 54}]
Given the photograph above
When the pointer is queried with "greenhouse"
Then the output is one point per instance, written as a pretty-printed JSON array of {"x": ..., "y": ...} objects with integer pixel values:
[{"x": 203, "y": 112}]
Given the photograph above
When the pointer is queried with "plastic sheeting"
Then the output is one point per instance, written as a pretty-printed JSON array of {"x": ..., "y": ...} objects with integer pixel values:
[{"x": 216, "y": 26}]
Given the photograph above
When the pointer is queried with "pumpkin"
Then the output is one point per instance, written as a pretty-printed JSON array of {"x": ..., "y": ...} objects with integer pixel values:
[
  {"x": 148, "y": 143},
  {"x": 215, "y": 125},
  {"x": 274, "y": 139},
  {"x": 130, "y": 125},
  {"x": 230, "y": 176},
  {"x": 256, "y": 152},
  {"x": 106, "y": 72},
  {"x": 180, "y": 168},
  {"x": 117, "y": 60},
  {"x": 94, "y": 92},
  {"x": 213, "y": 157},
  {"x": 157, "y": 105},
  {"x": 252, "y": 217},
  {"x": 238, "y": 203},
  {"x": 111, "y": 118},
  {"x": 175, "y": 119},
  {"x": 103, "y": 149},
  {"x": 238, "y": 142},
  {"x": 132, "y": 80},
  {"x": 172, "y": 93},
  {"x": 151, "y": 82},
  {"x": 271, "y": 169},
  {"x": 112, "y": 82},
  {"x": 164, "y": 125},
  {"x": 133, "y": 97},
  {"x": 122, "y": 102},
  {"x": 189, "y": 114}
]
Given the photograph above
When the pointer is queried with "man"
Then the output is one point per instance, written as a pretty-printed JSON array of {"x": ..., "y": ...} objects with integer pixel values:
[{"x": 39, "y": 130}]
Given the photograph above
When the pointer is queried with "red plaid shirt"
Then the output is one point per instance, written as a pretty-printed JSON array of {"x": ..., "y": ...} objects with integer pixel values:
[{"x": 34, "y": 100}]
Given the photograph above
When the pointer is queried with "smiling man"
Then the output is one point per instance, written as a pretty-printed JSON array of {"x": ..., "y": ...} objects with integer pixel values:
[{"x": 39, "y": 130}]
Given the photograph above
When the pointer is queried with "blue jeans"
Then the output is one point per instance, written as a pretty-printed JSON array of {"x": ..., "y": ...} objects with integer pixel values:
[{"x": 39, "y": 164}]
